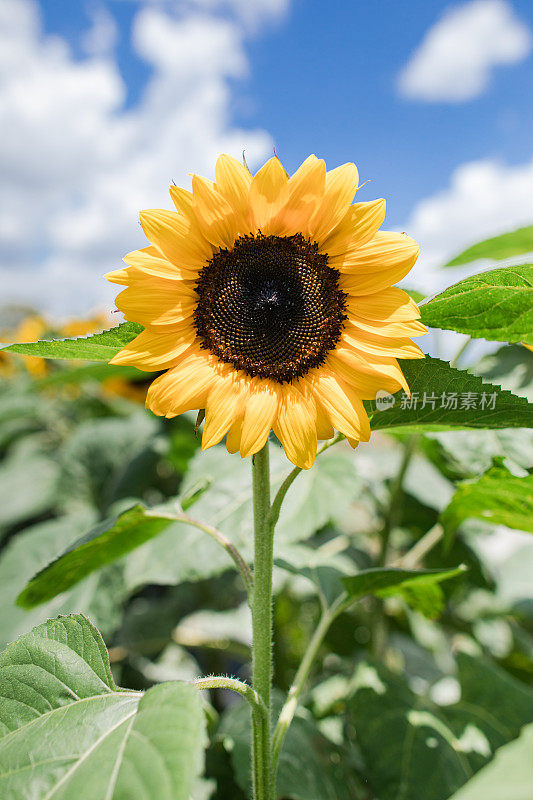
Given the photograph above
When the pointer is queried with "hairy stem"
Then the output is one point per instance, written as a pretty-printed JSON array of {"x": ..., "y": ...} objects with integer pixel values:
[
  {"x": 262, "y": 622},
  {"x": 220, "y": 682}
]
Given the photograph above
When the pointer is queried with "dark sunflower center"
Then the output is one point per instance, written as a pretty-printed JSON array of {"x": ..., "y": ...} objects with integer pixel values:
[{"x": 270, "y": 306}]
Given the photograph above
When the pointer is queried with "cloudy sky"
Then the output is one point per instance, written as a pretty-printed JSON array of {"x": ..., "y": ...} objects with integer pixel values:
[{"x": 104, "y": 102}]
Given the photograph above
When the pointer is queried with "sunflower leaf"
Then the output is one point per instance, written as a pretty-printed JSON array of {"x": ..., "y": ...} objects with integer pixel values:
[
  {"x": 497, "y": 248},
  {"x": 96, "y": 347},
  {"x": 67, "y": 731},
  {"x": 445, "y": 398},
  {"x": 498, "y": 497},
  {"x": 496, "y": 305},
  {"x": 103, "y": 544},
  {"x": 492, "y": 782},
  {"x": 387, "y": 581}
]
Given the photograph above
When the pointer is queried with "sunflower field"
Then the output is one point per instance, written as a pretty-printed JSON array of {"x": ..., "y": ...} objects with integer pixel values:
[{"x": 342, "y": 610}]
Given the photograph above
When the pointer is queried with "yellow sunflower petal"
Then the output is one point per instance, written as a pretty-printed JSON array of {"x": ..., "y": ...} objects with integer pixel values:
[
  {"x": 176, "y": 238},
  {"x": 156, "y": 351},
  {"x": 324, "y": 428},
  {"x": 260, "y": 413},
  {"x": 376, "y": 265},
  {"x": 182, "y": 388},
  {"x": 268, "y": 193},
  {"x": 305, "y": 190},
  {"x": 343, "y": 408},
  {"x": 142, "y": 264},
  {"x": 397, "y": 330},
  {"x": 389, "y": 305},
  {"x": 157, "y": 302},
  {"x": 366, "y": 380},
  {"x": 182, "y": 199},
  {"x": 341, "y": 186},
  {"x": 233, "y": 182},
  {"x": 295, "y": 426},
  {"x": 225, "y": 403},
  {"x": 233, "y": 439},
  {"x": 357, "y": 227},
  {"x": 214, "y": 215},
  {"x": 381, "y": 346}
]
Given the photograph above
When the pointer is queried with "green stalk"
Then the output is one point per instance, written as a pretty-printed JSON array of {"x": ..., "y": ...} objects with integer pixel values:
[{"x": 262, "y": 624}]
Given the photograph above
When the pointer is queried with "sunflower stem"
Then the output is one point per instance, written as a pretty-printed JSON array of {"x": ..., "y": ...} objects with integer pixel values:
[{"x": 262, "y": 624}]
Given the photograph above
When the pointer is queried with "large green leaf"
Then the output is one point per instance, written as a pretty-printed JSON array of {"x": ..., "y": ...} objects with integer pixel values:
[
  {"x": 498, "y": 497},
  {"x": 492, "y": 700},
  {"x": 29, "y": 483},
  {"x": 96, "y": 347},
  {"x": 509, "y": 776},
  {"x": 102, "y": 545},
  {"x": 497, "y": 305},
  {"x": 445, "y": 398},
  {"x": 497, "y": 248},
  {"x": 310, "y": 766},
  {"x": 68, "y": 732},
  {"x": 416, "y": 750}
]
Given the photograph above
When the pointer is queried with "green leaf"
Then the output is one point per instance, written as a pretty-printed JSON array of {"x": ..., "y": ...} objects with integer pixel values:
[
  {"x": 496, "y": 305},
  {"x": 497, "y": 248},
  {"x": 386, "y": 581},
  {"x": 96, "y": 347},
  {"x": 310, "y": 766},
  {"x": 497, "y": 497},
  {"x": 101, "y": 460},
  {"x": 410, "y": 751},
  {"x": 67, "y": 732},
  {"x": 29, "y": 483},
  {"x": 498, "y": 704},
  {"x": 509, "y": 775},
  {"x": 512, "y": 367},
  {"x": 103, "y": 544},
  {"x": 416, "y": 750},
  {"x": 31, "y": 550},
  {"x": 445, "y": 398}
]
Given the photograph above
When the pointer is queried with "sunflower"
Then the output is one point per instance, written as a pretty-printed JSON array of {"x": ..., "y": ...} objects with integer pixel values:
[{"x": 268, "y": 301}]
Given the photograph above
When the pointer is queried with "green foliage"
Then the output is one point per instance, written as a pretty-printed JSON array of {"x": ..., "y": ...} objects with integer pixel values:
[
  {"x": 498, "y": 496},
  {"x": 497, "y": 305},
  {"x": 497, "y": 248},
  {"x": 91, "y": 493},
  {"x": 415, "y": 749},
  {"x": 310, "y": 765},
  {"x": 96, "y": 347},
  {"x": 479, "y": 404},
  {"x": 107, "y": 542},
  {"x": 66, "y": 728},
  {"x": 510, "y": 775},
  {"x": 386, "y": 581}
]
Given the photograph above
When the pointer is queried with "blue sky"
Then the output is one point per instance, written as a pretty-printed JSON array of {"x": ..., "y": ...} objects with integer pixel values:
[
  {"x": 323, "y": 79},
  {"x": 448, "y": 144}
]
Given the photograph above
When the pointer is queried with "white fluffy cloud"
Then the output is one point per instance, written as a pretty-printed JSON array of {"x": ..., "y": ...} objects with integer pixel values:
[
  {"x": 76, "y": 166},
  {"x": 483, "y": 199},
  {"x": 456, "y": 57}
]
